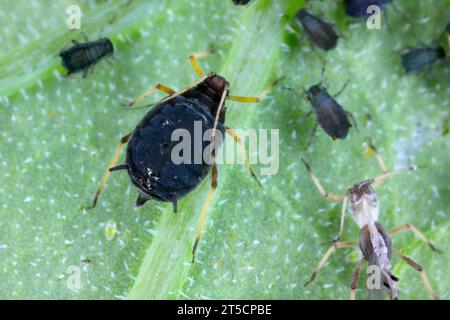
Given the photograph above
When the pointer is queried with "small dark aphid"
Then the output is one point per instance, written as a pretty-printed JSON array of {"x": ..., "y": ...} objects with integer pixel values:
[
  {"x": 241, "y": 2},
  {"x": 418, "y": 59},
  {"x": 82, "y": 56},
  {"x": 149, "y": 161},
  {"x": 374, "y": 242},
  {"x": 358, "y": 8},
  {"x": 319, "y": 32},
  {"x": 329, "y": 113}
]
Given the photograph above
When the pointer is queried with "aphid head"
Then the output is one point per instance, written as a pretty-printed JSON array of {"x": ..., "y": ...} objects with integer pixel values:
[
  {"x": 217, "y": 83},
  {"x": 108, "y": 45},
  {"x": 314, "y": 91},
  {"x": 302, "y": 13}
]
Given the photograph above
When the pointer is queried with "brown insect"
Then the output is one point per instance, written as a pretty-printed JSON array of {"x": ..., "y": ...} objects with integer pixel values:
[{"x": 374, "y": 241}]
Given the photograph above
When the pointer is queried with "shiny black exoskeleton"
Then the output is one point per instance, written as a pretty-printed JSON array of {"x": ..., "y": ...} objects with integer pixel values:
[
  {"x": 418, "y": 59},
  {"x": 82, "y": 56},
  {"x": 329, "y": 113},
  {"x": 149, "y": 151},
  {"x": 241, "y": 2},
  {"x": 319, "y": 32},
  {"x": 358, "y": 8}
]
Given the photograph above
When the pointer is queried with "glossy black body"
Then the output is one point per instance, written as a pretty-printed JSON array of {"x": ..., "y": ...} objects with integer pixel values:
[
  {"x": 241, "y": 2},
  {"x": 82, "y": 56},
  {"x": 418, "y": 59},
  {"x": 358, "y": 8},
  {"x": 319, "y": 32},
  {"x": 329, "y": 113},
  {"x": 148, "y": 156}
]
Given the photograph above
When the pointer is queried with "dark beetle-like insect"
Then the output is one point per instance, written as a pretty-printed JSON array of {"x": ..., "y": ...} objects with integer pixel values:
[
  {"x": 82, "y": 56},
  {"x": 149, "y": 160},
  {"x": 330, "y": 115},
  {"x": 418, "y": 59},
  {"x": 241, "y": 2},
  {"x": 319, "y": 32},
  {"x": 358, "y": 8},
  {"x": 374, "y": 243}
]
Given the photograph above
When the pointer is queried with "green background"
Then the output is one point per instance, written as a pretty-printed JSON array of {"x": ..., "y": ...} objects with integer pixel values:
[{"x": 58, "y": 134}]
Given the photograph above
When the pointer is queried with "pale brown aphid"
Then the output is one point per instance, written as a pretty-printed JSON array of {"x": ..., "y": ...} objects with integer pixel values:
[{"x": 374, "y": 242}]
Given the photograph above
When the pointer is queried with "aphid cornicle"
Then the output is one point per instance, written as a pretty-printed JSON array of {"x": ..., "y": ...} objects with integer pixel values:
[
  {"x": 149, "y": 161},
  {"x": 82, "y": 56},
  {"x": 374, "y": 243},
  {"x": 319, "y": 32},
  {"x": 358, "y": 8},
  {"x": 418, "y": 59}
]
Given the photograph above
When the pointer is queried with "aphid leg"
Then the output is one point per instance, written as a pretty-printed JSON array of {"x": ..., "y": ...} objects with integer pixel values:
[
  {"x": 204, "y": 212},
  {"x": 312, "y": 135},
  {"x": 343, "y": 212},
  {"x": 261, "y": 96},
  {"x": 342, "y": 89},
  {"x": 418, "y": 268},
  {"x": 378, "y": 181},
  {"x": 418, "y": 234},
  {"x": 352, "y": 120},
  {"x": 325, "y": 194},
  {"x": 322, "y": 72},
  {"x": 111, "y": 167},
  {"x": 301, "y": 119},
  {"x": 313, "y": 49},
  {"x": 355, "y": 279},
  {"x": 151, "y": 90},
  {"x": 241, "y": 145},
  {"x": 333, "y": 248},
  {"x": 193, "y": 61},
  {"x": 371, "y": 149},
  {"x": 219, "y": 109}
]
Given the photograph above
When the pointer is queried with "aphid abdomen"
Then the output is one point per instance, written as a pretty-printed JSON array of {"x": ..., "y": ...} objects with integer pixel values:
[
  {"x": 317, "y": 31},
  {"x": 331, "y": 116},
  {"x": 358, "y": 8},
  {"x": 149, "y": 154},
  {"x": 418, "y": 59}
]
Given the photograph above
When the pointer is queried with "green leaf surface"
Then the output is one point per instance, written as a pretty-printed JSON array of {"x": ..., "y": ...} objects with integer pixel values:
[{"x": 58, "y": 135}]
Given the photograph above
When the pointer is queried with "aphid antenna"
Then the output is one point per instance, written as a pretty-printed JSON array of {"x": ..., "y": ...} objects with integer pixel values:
[{"x": 322, "y": 81}]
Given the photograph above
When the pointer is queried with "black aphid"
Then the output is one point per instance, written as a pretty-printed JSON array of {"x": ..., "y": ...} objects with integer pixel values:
[
  {"x": 330, "y": 115},
  {"x": 358, "y": 8},
  {"x": 82, "y": 56},
  {"x": 241, "y": 2},
  {"x": 319, "y": 32},
  {"x": 418, "y": 59},
  {"x": 149, "y": 158}
]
